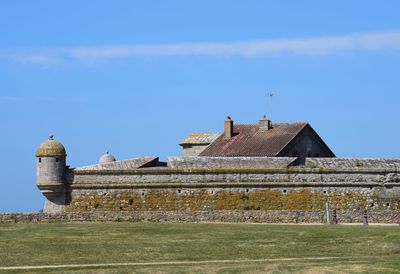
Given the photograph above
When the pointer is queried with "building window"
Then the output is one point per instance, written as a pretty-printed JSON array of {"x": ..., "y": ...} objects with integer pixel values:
[
  {"x": 57, "y": 160},
  {"x": 40, "y": 160}
]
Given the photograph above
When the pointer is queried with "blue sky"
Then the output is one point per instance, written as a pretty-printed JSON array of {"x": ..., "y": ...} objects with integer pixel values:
[{"x": 135, "y": 77}]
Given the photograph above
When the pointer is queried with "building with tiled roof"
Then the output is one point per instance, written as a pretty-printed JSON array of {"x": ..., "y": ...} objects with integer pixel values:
[{"x": 264, "y": 139}]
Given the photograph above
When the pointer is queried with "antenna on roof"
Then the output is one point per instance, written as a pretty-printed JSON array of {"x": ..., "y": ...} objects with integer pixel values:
[{"x": 269, "y": 114}]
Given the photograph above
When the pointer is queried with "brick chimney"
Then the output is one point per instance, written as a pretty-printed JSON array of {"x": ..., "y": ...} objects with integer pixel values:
[
  {"x": 228, "y": 127},
  {"x": 264, "y": 123}
]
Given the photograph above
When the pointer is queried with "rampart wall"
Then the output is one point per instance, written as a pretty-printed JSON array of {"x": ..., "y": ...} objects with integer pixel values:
[{"x": 242, "y": 185}]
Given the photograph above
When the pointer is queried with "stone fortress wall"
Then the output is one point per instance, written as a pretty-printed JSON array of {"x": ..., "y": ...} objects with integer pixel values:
[
  {"x": 262, "y": 185},
  {"x": 289, "y": 189}
]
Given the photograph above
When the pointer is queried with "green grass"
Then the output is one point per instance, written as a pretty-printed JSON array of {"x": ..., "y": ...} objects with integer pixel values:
[{"x": 351, "y": 249}]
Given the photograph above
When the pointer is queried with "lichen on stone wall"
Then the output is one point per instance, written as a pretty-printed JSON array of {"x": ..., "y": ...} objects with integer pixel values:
[
  {"x": 304, "y": 199},
  {"x": 348, "y": 200},
  {"x": 221, "y": 199}
]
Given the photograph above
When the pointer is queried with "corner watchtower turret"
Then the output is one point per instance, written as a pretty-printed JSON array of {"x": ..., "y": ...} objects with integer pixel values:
[{"x": 51, "y": 173}]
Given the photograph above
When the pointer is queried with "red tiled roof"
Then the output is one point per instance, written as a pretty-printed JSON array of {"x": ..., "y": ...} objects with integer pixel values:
[{"x": 249, "y": 140}]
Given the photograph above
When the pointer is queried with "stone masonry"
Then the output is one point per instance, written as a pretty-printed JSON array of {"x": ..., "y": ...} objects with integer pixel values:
[
  {"x": 239, "y": 216},
  {"x": 234, "y": 187},
  {"x": 269, "y": 184}
]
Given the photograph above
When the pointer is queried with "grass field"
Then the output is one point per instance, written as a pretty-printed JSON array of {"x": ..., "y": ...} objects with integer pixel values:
[{"x": 198, "y": 248}]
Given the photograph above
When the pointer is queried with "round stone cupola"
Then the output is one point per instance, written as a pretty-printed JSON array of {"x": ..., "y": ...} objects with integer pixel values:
[
  {"x": 106, "y": 158},
  {"x": 50, "y": 148}
]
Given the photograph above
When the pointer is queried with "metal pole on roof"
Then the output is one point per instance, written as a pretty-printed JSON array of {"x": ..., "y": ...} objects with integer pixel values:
[{"x": 270, "y": 95}]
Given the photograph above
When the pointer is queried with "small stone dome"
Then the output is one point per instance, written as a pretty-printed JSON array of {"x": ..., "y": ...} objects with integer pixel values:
[
  {"x": 106, "y": 158},
  {"x": 50, "y": 148}
]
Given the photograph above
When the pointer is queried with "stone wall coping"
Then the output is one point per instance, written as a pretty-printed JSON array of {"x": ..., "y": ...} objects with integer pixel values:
[
  {"x": 290, "y": 170},
  {"x": 228, "y": 184}
]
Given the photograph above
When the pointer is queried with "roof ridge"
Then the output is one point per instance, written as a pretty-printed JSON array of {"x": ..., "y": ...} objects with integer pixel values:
[
  {"x": 203, "y": 133},
  {"x": 256, "y": 124}
]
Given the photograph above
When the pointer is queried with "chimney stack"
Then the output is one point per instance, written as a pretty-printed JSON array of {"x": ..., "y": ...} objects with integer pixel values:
[
  {"x": 265, "y": 124},
  {"x": 228, "y": 127}
]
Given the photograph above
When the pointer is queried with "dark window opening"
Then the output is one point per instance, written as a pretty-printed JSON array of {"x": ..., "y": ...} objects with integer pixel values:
[
  {"x": 179, "y": 191},
  {"x": 284, "y": 191},
  {"x": 57, "y": 160},
  {"x": 247, "y": 190},
  {"x": 387, "y": 204},
  {"x": 40, "y": 160},
  {"x": 372, "y": 204},
  {"x": 142, "y": 193},
  {"x": 324, "y": 191},
  {"x": 212, "y": 192}
]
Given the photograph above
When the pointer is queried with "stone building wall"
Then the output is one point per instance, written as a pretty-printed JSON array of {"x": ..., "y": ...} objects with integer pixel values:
[
  {"x": 320, "y": 185},
  {"x": 193, "y": 150},
  {"x": 306, "y": 144}
]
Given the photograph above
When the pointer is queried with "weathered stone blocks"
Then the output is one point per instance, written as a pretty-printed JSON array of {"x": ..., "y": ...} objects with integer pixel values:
[{"x": 250, "y": 216}]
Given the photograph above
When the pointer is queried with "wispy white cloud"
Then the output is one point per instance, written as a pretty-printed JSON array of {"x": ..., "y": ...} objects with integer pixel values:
[
  {"x": 302, "y": 46},
  {"x": 309, "y": 46},
  {"x": 42, "y": 60},
  {"x": 40, "y": 57}
]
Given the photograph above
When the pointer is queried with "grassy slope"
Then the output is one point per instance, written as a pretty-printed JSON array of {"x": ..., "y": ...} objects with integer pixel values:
[{"x": 365, "y": 249}]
